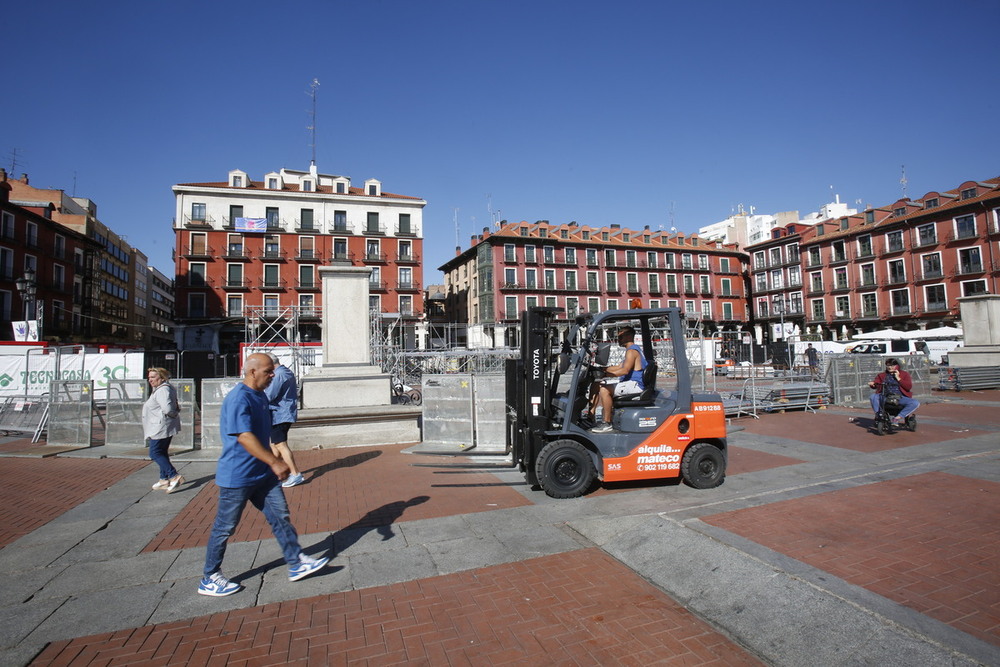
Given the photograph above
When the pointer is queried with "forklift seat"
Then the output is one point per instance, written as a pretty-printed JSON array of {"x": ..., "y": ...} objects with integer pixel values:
[{"x": 646, "y": 396}]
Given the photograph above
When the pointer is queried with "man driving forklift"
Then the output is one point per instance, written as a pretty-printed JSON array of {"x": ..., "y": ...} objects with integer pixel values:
[{"x": 629, "y": 379}]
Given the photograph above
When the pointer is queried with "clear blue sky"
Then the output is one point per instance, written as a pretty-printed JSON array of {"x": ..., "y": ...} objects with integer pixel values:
[{"x": 599, "y": 112}]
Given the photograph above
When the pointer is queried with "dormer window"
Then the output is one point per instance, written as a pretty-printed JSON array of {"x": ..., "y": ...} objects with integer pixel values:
[
  {"x": 373, "y": 187},
  {"x": 931, "y": 203},
  {"x": 604, "y": 236},
  {"x": 307, "y": 185},
  {"x": 237, "y": 181},
  {"x": 968, "y": 193},
  {"x": 899, "y": 212},
  {"x": 625, "y": 237},
  {"x": 869, "y": 217},
  {"x": 272, "y": 183},
  {"x": 238, "y": 178},
  {"x": 585, "y": 235},
  {"x": 524, "y": 231},
  {"x": 373, "y": 190},
  {"x": 843, "y": 224}
]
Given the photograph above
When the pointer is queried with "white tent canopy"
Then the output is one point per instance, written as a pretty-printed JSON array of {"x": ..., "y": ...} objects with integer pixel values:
[
  {"x": 938, "y": 332},
  {"x": 884, "y": 334}
]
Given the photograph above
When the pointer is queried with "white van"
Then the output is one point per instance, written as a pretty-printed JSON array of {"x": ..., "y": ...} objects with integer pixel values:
[{"x": 936, "y": 349}]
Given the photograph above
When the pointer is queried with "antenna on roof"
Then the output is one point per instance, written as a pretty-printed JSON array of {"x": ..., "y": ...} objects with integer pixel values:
[
  {"x": 312, "y": 118},
  {"x": 903, "y": 180},
  {"x": 494, "y": 220},
  {"x": 458, "y": 242},
  {"x": 673, "y": 227}
]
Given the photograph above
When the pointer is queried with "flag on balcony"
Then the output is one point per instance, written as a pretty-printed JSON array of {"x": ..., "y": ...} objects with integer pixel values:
[{"x": 251, "y": 224}]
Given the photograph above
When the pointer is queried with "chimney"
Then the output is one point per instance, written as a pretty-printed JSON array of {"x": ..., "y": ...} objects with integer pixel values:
[
  {"x": 458, "y": 250},
  {"x": 615, "y": 226},
  {"x": 24, "y": 178}
]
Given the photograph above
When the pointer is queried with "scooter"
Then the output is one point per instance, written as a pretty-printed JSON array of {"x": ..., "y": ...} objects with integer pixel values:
[{"x": 890, "y": 407}]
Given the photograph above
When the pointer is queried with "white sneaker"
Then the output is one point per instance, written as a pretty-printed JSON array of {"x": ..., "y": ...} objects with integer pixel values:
[
  {"x": 606, "y": 427},
  {"x": 306, "y": 567},
  {"x": 293, "y": 480},
  {"x": 162, "y": 484}
]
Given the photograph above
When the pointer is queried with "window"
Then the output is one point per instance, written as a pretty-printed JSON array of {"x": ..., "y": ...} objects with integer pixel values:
[
  {"x": 609, "y": 258},
  {"x": 592, "y": 281},
  {"x": 762, "y": 307},
  {"x": 704, "y": 284},
  {"x": 931, "y": 265},
  {"x": 631, "y": 260},
  {"x": 529, "y": 254},
  {"x": 794, "y": 276},
  {"x": 865, "y": 246},
  {"x": 816, "y": 282},
  {"x": 612, "y": 304},
  {"x": 727, "y": 311},
  {"x": 272, "y": 183},
  {"x": 571, "y": 280},
  {"x": 965, "y": 227},
  {"x": 59, "y": 277},
  {"x": 611, "y": 281},
  {"x": 340, "y": 221},
  {"x": 632, "y": 282},
  {"x": 703, "y": 262},
  {"x": 6, "y": 264},
  {"x": 775, "y": 256},
  {"x": 406, "y": 278},
  {"x": 375, "y": 278},
  {"x": 404, "y": 223},
  {"x": 727, "y": 287},
  {"x": 530, "y": 301},
  {"x": 839, "y": 251},
  {"x": 968, "y": 193},
  {"x": 818, "y": 309},
  {"x": 196, "y": 305},
  {"x": 926, "y": 234},
  {"x": 372, "y": 253},
  {"x": 777, "y": 279},
  {"x": 307, "y": 305},
  {"x": 689, "y": 284},
  {"x": 842, "y": 306},
  {"x": 867, "y": 275},
  {"x": 272, "y": 275},
  {"x": 6, "y": 225},
  {"x": 531, "y": 278},
  {"x": 508, "y": 253},
  {"x": 897, "y": 271},
  {"x": 572, "y": 307},
  {"x": 372, "y": 226},
  {"x": 306, "y": 219},
  {"x": 234, "y": 305},
  {"x": 760, "y": 282},
  {"x": 934, "y": 298},
  {"x": 340, "y": 250},
  {"x": 970, "y": 261},
  {"x": 550, "y": 279},
  {"x": 307, "y": 247},
  {"x": 894, "y": 241},
  {"x": 758, "y": 260},
  {"x": 651, "y": 260},
  {"x": 586, "y": 236},
  {"x": 672, "y": 283},
  {"x": 548, "y": 254},
  {"x": 406, "y": 251},
  {"x": 723, "y": 265},
  {"x": 900, "y": 301},
  {"x": 570, "y": 255},
  {"x": 815, "y": 258},
  {"x": 685, "y": 261},
  {"x": 591, "y": 257},
  {"x": 510, "y": 307},
  {"x": 372, "y": 190},
  {"x": 869, "y": 305},
  {"x": 59, "y": 251},
  {"x": 706, "y": 310},
  {"x": 931, "y": 203},
  {"x": 306, "y": 278},
  {"x": 973, "y": 287},
  {"x": 196, "y": 274},
  {"x": 341, "y": 188},
  {"x": 31, "y": 235},
  {"x": 198, "y": 212},
  {"x": 374, "y": 303},
  {"x": 668, "y": 260},
  {"x": 593, "y": 304},
  {"x": 689, "y": 308},
  {"x": 271, "y": 305},
  {"x": 654, "y": 283},
  {"x": 510, "y": 277},
  {"x": 840, "y": 278},
  {"x": 271, "y": 213}
]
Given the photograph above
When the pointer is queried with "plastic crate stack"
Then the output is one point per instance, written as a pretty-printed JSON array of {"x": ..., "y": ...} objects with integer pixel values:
[{"x": 951, "y": 378}]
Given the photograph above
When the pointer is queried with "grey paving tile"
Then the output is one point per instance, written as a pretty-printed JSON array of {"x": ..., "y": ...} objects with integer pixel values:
[{"x": 391, "y": 567}]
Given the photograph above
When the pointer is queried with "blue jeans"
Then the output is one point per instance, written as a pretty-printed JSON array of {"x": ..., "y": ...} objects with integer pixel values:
[
  {"x": 158, "y": 452},
  {"x": 907, "y": 404},
  {"x": 268, "y": 498}
]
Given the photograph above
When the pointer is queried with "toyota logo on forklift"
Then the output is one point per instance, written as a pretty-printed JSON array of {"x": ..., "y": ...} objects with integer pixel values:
[{"x": 658, "y": 429}]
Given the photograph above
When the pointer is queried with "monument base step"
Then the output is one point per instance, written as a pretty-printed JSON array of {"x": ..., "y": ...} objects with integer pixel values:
[{"x": 346, "y": 427}]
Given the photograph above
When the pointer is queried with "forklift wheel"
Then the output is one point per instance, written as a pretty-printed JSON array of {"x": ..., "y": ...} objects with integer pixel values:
[
  {"x": 703, "y": 466},
  {"x": 565, "y": 469}
]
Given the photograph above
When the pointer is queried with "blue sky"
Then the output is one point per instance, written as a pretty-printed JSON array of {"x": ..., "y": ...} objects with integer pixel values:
[{"x": 635, "y": 113}]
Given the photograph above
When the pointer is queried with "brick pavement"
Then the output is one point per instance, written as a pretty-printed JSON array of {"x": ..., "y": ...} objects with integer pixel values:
[
  {"x": 35, "y": 491},
  {"x": 928, "y": 542},
  {"x": 577, "y": 608},
  {"x": 349, "y": 488}
]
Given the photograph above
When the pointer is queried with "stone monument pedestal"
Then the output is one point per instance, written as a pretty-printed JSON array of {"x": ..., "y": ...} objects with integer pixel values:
[
  {"x": 348, "y": 401},
  {"x": 981, "y": 329}
]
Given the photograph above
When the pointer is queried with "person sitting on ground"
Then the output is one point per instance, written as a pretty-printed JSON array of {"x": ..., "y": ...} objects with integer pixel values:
[
  {"x": 894, "y": 381},
  {"x": 629, "y": 374}
]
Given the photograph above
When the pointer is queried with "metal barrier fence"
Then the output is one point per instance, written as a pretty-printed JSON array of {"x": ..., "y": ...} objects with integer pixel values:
[
  {"x": 849, "y": 375},
  {"x": 448, "y": 410},
  {"x": 124, "y": 413},
  {"x": 213, "y": 391},
  {"x": 70, "y": 413}
]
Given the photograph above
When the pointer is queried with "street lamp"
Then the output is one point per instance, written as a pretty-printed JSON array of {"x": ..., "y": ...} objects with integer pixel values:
[
  {"x": 781, "y": 306},
  {"x": 27, "y": 288}
]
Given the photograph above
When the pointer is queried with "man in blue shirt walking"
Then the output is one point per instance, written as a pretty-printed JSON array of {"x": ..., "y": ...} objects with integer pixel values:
[
  {"x": 283, "y": 393},
  {"x": 249, "y": 471}
]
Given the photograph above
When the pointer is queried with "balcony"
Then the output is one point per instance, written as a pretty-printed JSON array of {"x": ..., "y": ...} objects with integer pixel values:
[
  {"x": 377, "y": 285},
  {"x": 342, "y": 228},
  {"x": 731, "y": 295},
  {"x": 923, "y": 242},
  {"x": 198, "y": 223},
  {"x": 865, "y": 253},
  {"x": 706, "y": 290},
  {"x": 841, "y": 315},
  {"x": 892, "y": 249},
  {"x": 307, "y": 255},
  {"x": 373, "y": 229},
  {"x": 233, "y": 284},
  {"x": 194, "y": 281},
  {"x": 814, "y": 262},
  {"x": 198, "y": 251},
  {"x": 408, "y": 286},
  {"x": 867, "y": 283},
  {"x": 841, "y": 286},
  {"x": 840, "y": 258},
  {"x": 894, "y": 280},
  {"x": 868, "y": 314},
  {"x": 816, "y": 290},
  {"x": 900, "y": 311},
  {"x": 307, "y": 227},
  {"x": 935, "y": 274},
  {"x": 307, "y": 285},
  {"x": 936, "y": 307},
  {"x": 272, "y": 283},
  {"x": 961, "y": 235},
  {"x": 310, "y": 312},
  {"x": 236, "y": 253},
  {"x": 273, "y": 255},
  {"x": 405, "y": 230},
  {"x": 376, "y": 257},
  {"x": 968, "y": 269},
  {"x": 633, "y": 289},
  {"x": 407, "y": 259}
]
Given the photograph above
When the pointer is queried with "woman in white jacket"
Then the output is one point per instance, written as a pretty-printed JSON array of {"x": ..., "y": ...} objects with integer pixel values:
[{"x": 160, "y": 423}]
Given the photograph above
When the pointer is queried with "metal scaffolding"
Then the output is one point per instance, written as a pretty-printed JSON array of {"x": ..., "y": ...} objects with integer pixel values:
[{"x": 266, "y": 327}]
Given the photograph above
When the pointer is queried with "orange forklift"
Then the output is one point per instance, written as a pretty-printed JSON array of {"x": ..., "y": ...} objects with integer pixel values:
[{"x": 663, "y": 432}]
